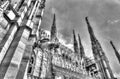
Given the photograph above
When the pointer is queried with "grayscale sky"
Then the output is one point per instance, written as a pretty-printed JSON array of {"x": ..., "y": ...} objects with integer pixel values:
[{"x": 104, "y": 16}]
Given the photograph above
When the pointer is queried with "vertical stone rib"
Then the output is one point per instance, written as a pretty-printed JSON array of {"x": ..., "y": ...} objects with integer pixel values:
[
  {"x": 8, "y": 57},
  {"x": 23, "y": 66},
  {"x": 7, "y": 40},
  {"x": 20, "y": 44},
  {"x": 33, "y": 10}
]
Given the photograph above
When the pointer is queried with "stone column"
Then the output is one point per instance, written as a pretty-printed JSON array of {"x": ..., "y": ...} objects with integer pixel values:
[
  {"x": 15, "y": 54},
  {"x": 22, "y": 73},
  {"x": 44, "y": 64},
  {"x": 38, "y": 62},
  {"x": 7, "y": 40}
]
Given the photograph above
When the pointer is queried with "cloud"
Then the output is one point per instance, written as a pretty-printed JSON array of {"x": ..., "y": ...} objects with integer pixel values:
[
  {"x": 114, "y": 21},
  {"x": 64, "y": 42},
  {"x": 53, "y": 10},
  {"x": 117, "y": 75},
  {"x": 116, "y": 1}
]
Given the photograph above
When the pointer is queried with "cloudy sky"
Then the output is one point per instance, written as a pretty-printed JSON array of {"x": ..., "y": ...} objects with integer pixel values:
[{"x": 104, "y": 16}]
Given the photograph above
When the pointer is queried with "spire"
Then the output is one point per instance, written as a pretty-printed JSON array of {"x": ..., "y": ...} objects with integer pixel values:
[
  {"x": 94, "y": 41},
  {"x": 82, "y": 53},
  {"x": 116, "y": 52},
  {"x": 75, "y": 43},
  {"x": 53, "y": 29},
  {"x": 99, "y": 54},
  {"x": 90, "y": 30}
]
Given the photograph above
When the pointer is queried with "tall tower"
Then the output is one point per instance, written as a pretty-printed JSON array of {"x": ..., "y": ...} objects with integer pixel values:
[
  {"x": 75, "y": 43},
  {"x": 99, "y": 55},
  {"x": 53, "y": 30},
  {"x": 116, "y": 52}
]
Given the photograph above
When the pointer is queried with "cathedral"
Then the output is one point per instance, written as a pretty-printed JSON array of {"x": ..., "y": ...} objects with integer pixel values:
[{"x": 28, "y": 51}]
